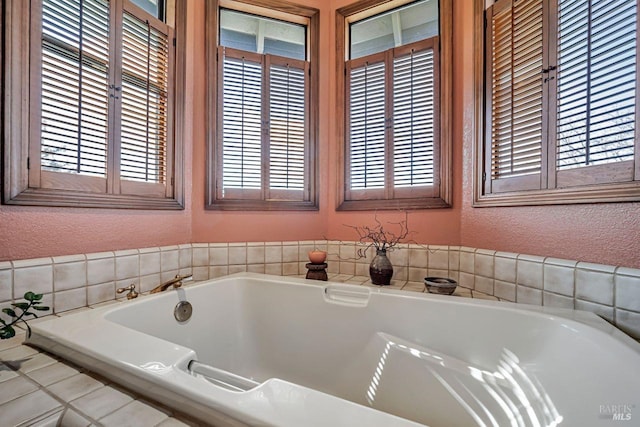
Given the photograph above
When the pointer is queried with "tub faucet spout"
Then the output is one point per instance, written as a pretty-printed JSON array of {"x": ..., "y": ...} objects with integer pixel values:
[{"x": 176, "y": 282}]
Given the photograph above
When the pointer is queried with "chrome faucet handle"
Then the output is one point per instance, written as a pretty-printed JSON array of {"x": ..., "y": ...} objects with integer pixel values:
[{"x": 132, "y": 291}]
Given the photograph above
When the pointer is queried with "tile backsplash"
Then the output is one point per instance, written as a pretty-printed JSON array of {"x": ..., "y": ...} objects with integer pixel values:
[{"x": 70, "y": 282}]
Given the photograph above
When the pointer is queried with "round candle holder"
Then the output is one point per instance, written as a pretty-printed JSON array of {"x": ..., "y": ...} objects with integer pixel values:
[{"x": 317, "y": 271}]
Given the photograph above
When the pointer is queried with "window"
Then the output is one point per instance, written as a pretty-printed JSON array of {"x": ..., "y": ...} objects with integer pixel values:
[
  {"x": 99, "y": 78},
  {"x": 396, "y": 104},
  {"x": 262, "y": 100},
  {"x": 561, "y": 101}
]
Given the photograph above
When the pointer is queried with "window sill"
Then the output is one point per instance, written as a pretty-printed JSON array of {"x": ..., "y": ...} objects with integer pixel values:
[
  {"x": 393, "y": 204},
  {"x": 258, "y": 205},
  {"x": 62, "y": 198},
  {"x": 606, "y": 193}
]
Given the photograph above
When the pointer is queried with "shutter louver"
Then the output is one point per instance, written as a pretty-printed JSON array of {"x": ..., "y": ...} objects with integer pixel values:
[
  {"x": 145, "y": 85},
  {"x": 242, "y": 124},
  {"x": 367, "y": 126},
  {"x": 75, "y": 73},
  {"x": 596, "y": 82},
  {"x": 516, "y": 90},
  {"x": 287, "y": 127},
  {"x": 413, "y": 119}
]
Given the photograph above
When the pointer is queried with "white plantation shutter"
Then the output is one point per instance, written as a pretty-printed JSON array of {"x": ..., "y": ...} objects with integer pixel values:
[
  {"x": 77, "y": 138},
  {"x": 241, "y": 125},
  {"x": 263, "y": 127},
  {"x": 562, "y": 99},
  {"x": 287, "y": 130},
  {"x": 413, "y": 119},
  {"x": 501, "y": 96},
  {"x": 263, "y": 99},
  {"x": 105, "y": 117},
  {"x": 396, "y": 99},
  {"x": 145, "y": 101},
  {"x": 515, "y": 70},
  {"x": 75, "y": 75},
  {"x": 367, "y": 125},
  {"x": 596, "y": 82},
  {"x": 392, "y": 123}
]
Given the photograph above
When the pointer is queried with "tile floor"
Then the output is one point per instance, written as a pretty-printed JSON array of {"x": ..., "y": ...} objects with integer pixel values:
[{"x": 39, "y": 389}]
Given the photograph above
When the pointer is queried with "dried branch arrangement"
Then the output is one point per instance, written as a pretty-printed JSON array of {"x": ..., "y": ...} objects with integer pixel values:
[{"x": 379, "y": 237}]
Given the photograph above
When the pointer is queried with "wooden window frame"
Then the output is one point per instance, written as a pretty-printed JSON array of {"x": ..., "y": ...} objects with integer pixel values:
[
  {"x": 277, "y": 9},
  {"x": 21, "y": 185},
  {"x": 442, "y": 193},
  {"x": 588, "y": 186}
]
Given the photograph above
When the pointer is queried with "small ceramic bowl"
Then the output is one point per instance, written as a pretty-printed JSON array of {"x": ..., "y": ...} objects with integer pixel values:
[
  {"x": 317, "y": 257},
  {"x": 440, "y": 285}
]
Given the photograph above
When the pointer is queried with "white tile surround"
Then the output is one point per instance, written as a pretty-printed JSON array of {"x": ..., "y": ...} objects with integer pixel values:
[
  {"x": 75, "y": 281},
  {"x": 38, "y": 389}
]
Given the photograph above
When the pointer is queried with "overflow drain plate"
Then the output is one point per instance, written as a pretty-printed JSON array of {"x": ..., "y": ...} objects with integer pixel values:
[{"x": 183, "y": 311}]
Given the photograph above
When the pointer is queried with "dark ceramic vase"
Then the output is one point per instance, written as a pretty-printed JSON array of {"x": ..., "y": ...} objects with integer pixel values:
[{"x": 381, "y": 269}]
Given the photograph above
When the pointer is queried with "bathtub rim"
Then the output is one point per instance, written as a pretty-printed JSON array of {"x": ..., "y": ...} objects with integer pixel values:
[
  {"x": 104, "y": 366},
  {"x": 578, "y": 317}
]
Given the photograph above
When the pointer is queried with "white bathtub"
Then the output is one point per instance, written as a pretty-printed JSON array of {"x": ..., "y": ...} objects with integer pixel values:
[{"x": 289, "y": 352}]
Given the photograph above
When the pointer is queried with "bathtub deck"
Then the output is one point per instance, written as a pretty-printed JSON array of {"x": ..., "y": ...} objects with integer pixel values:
[{"x": 37, "y": 388}]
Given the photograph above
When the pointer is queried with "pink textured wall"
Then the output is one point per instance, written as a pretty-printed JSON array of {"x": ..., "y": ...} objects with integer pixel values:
[
  {"x": 33, "y": 232},
  {"x": 600, "y": 233},
  {"x": 605, "y": 234}
]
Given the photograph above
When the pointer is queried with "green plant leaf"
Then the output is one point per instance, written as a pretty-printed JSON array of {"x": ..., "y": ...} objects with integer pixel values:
[
  {"x": 10, "y": 312},
  {"x": 30, "y": 296},
  {"x": 21, "y": 305},
  {"x": 7, "y": 332}
]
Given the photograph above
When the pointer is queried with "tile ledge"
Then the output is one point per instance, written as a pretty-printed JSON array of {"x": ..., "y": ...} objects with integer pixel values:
[{"x": 602, "y": 268}]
